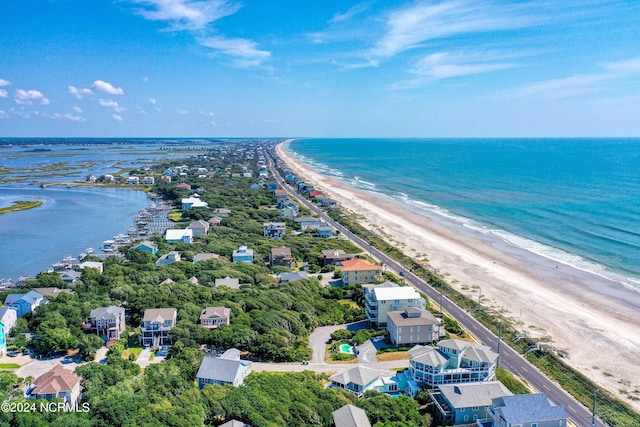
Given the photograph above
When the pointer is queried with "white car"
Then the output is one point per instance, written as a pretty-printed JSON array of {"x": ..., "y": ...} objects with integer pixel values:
[{"x": 378, "y": 338}]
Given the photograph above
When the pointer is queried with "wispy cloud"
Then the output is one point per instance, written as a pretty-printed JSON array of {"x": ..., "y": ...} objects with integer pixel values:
[
  {"x": 152, "y": 101},
  {"x": 108, "y": 103},
  {"x": 245, "y": 52},
  {"x": 186, "y": 14},
  {"x": 445, "y": 65},
  {"x": 59, "y": 116},
  {"x": 77, "y": 109},
  {"x": 4, "y": 114},
  {"x": 179, "y": 111},
  {"x": 579, "y": 84},
  {"x": 28, "y": 97},
  {"x": 107, "y": 88},
  {"x": 117, "y": 117},
  {"x": 79, "y": 93},
  {"x": 412, "y": 26},
  {"x": 197, "y": 17},
  {"x": 350, "y": 13},
  {"x": 3, "y": 93},
  {"x": 4, "y": 82}
]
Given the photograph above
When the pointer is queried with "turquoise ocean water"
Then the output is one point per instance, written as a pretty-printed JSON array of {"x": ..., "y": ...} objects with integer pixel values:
[{"x": 574, "y": 201}]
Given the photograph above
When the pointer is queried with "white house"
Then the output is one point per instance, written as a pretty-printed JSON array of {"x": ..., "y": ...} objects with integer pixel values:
[
  {"x": 179, "y": 235},
  {"x": 386, "y": 297},
  {"x": 193, "y": 202}
]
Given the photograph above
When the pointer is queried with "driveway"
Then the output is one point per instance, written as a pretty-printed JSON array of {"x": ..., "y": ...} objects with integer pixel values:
[
  {"x": 322, "y": 335},
  {"x": 37, "y": 367}
]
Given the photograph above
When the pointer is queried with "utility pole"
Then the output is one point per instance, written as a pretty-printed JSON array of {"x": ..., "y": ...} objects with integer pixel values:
[{"x": 593, "y": 411}]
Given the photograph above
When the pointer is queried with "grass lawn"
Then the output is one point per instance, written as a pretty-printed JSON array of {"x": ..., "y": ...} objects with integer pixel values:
[
  {"x": 349, "y": 302},
  {"x": 132, "y": 350},
  {"x": 9, "y": 366},
  {"x": 396, "y": 355},
  {"x": 175, "y": 215}
]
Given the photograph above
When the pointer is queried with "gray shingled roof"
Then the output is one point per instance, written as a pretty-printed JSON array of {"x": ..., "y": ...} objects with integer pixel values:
[
  {"x": 159, "y": 314},
  {"x": 218, "y": 369},
  {"x": 350, "y": 416},
  {"x": 429, "y": 356},
  {"x": 530, "y": 407},
  {"x": 234, "y": 423},
  {"x": 473, "y": 394},
  {"x": 359, "y": 375},
  {"x": 106, "y": 312}
]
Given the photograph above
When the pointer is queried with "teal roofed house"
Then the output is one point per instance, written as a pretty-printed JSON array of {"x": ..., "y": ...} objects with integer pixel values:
[{"x": 147, "y": 246}]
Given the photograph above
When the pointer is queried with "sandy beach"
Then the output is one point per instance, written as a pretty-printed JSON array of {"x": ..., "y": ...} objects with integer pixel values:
[{"x": 595, "y": 321}]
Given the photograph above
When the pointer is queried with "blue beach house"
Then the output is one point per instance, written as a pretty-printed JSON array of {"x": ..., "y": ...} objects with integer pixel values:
[
  {"x": 147, "y": 246},
  {"x": 3, "y": 340},
  {"x": 242, "y": 254},
  {"x": 462, "y": 404}
]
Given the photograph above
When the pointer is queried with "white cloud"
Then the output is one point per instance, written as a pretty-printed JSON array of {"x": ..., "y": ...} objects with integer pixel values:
[
  {"x": 4, "y": 114},
  {"x": 412, "y": 26},
  {"x": 142, "y": 110},
  {"x": 179, "y": 111},
  {"x": 214, "y": 123},
  {"x": 350, "y": 13},
  {"x": 4, "y": 82},
  {"x": 77, "y": 109},
  {"x": 245, "y": 51},
  {"x": 119, "y": 109},
  {"x": 58, "y": 116},
  {"x": 108, "y": 103},
  {"x": 186, "y": 14},
  {"x": 28, "y": 97},
  {"x": 117, "y": 117},
  {"x": 78, "y": 93},
  {"x": 152, "y": 100},
  {"x": 145, "y": 79},
  {"x": 210, "y": 113},
  {"x": 3, "y": 93},
  {"x": 579, "y": 84},
  {"x": 107, "y": 88}
]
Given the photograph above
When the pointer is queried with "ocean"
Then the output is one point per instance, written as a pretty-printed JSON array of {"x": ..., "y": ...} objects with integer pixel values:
[{"x": 574, "y": 201}]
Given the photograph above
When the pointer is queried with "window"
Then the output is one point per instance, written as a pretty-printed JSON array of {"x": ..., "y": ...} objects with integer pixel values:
[
  {"x": 534, "y": 424},
  {"x": 466, "y": 417},
  {"x": 475, "y": 408}
]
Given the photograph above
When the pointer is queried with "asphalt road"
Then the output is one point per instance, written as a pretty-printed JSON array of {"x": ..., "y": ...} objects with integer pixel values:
[{"x": 509, "y": 358}]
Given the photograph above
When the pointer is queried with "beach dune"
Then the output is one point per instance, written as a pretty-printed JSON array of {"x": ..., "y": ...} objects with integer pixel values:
[{"x": 595, "y": 321}]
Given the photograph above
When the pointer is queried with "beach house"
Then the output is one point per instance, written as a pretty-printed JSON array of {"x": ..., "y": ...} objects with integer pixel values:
[
  {"x": 242, "y": 254},
  {"x": 350, "y": 416},
  {"x": 462, "y": 404},
  {"x": 524, "y": 410},
  {"x": 230, "y": 282},
  {"x": 387, "y": 297},
  {"x": 357, "y": 271},
  {"x": 25, "y": 303},
  {"x": 413, "y": 326},
  {"x": 192, "y": 203},
  {"x": 204, "y": 256},
  {"x": 335, "y": 256},
  {"x": 106, "y": 322},
  {"x": 199, "y": 227},
  {"x": 356, "y": 380},
  {"x": 156, "y": 324},
  {"x": 452, "y": 362},
  {"x": 3, "y": 340},
  {"x": 309, "y": 222},
  {"x": 212, "y": 317},
  {"x": 281, "y": 257},
  {"x": 8, "y": 317},
  {"x": 225, "y": 369},
  {"x": 275, "y": 230},
  {"x": 184, "y": 235},
  {"x": 147, "y": 246},
  {"x": 58, "y": 383},
  {"x": 170, "y": 258}
]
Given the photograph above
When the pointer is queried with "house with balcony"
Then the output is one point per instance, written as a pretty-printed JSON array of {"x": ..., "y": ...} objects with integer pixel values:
[
  {"x": 463, "y": 404},
  {"x": 58, "y": 383},
  {"x": 413, "y": 326},
  {"x": 106, "y": 322},
  {"x": 524, "y": 410},
  {"x": 225, "y": 369},
  {"x": 156, "y": 324},
  {"x": 281, "y": 257},
  {"x": 25, "y": 303},
  {"x": 243, "y": 254},
  {"x": 357, "y": 271},
  {"x": 335, "y": 257},
  {"x": 212, "y": 317},
  {"x": 356, "y": 380},
  {"x": 387, "y": 297},
  {"x": 309, "y": 222},
  {"x": 275, "y": 230},
  {"x": 8, "y": 318},
  {"x": 452, "y": 362}
]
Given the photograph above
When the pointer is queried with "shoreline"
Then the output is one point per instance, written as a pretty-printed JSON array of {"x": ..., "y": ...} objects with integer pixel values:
[{"x": 599, "y": 331}]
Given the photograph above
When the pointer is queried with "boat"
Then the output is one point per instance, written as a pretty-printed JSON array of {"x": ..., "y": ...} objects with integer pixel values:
[
  {"x": 109, "y": 246},
  {"x": 90, "y": 251}
]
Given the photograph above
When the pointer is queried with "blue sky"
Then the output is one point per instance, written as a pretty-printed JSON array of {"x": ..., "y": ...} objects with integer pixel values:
[{"x": 452, "y": 68}]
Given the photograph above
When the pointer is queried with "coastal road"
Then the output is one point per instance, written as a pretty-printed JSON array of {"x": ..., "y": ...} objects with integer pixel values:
[{"x": 508, "y": 357}]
